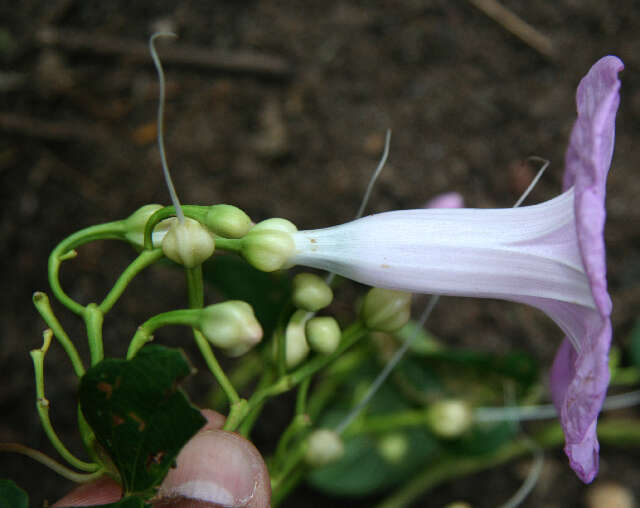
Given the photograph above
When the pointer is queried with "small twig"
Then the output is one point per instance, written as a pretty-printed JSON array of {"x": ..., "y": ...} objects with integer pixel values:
[
  {"x": 517, "y": 26},
  {"x": 250, "y": 62}
]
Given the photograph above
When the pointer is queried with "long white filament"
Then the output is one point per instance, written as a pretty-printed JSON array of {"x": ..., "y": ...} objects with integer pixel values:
[
  {"x": 367, "y": 194},
  {"x": 163, "y": 158},
  {"x": 531, "y": 480},
  {"x": 376, "y": 173},
  {"x": 382, "y": 377}
]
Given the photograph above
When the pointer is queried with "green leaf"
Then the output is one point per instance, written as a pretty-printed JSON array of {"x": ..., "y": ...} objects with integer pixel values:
[
  {"x": 484, "y": 438},
  {"x": 12, "y": 496},
  {"x": 363, "y": 470},
  {"x": 267, "y": 293},
  {"x": 139, "y": 415},
  {"x": 476, "y": 376}
]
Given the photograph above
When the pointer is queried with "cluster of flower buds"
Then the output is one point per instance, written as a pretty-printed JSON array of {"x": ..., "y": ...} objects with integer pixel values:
[{"x": 306, "y": 332}]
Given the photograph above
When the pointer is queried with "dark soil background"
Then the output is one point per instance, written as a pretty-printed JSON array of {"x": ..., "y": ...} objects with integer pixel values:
[{"x": 290, "y": 122}]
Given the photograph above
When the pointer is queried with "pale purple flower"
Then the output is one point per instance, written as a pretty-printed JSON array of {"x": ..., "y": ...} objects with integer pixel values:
[
  {"x": 579, "y": 378},
  {"x": 550, "y": 256}
]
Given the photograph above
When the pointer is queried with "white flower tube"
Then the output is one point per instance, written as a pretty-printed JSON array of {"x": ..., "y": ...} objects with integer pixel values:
[{"x": 515, "y": 254}]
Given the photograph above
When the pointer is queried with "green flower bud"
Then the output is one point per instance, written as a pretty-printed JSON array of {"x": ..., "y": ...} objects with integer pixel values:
[
  {"x": 311, "y": 292},
  {"x": 134, "y": 224},
  {"x": 324, "y": 447},
  {"x": 277, "y": 224},
  {"x": 393, "y": 447},
  {"x": 231, "y": 326},
  {"x": 386, "y": 310},
  {"x": 296, "y": 339},
  {"x": 188, "y": 244},
  {"x": 227, "y": 221},
  {"x": 449, "y": 418},
  {"x": 323, "y": 334},
  {"x": 267, "y": 249}
]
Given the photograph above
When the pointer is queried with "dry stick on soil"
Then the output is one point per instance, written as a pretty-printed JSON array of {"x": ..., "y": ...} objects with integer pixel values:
[
  {"x": 249, "y": 62},
  {"x": 517, "y": 26}
]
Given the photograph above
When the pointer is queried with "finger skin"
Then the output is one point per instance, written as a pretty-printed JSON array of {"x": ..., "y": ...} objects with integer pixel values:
[{"x": 212, "y": 457}]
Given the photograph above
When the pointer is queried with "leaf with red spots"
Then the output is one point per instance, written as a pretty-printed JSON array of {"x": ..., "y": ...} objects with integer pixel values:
[{"x": 139, "y": 415}]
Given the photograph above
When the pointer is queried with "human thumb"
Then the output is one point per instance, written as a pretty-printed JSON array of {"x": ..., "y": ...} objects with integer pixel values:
[{"x": 215, "y": 468}]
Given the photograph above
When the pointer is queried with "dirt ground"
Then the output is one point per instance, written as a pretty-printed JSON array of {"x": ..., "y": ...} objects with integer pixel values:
[{"x": 281, "y": 108}]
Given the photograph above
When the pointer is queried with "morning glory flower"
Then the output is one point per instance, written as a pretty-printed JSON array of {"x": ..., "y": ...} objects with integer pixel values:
[{"x": 550, "y": 255}]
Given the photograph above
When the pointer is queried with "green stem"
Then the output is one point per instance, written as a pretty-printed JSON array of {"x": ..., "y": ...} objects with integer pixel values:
[
  {"x": 301, "y": 398},
  {"x": 237, "y": 413},
  {"x": 65, "y": 250},
  {"x": 215, "y": 368},
  {"x": 195, "y": 287},
  {"x": 335, "y": 375},
  {"x": 144, "y": 259},
  {"x": 144, "y": 334},
  {"x": 88, "y": 436},
  {"x": 280, "y": 338},
  {"x": 287, "y": 485},
  {"x": 388, "y": 422},
  {"x": 42, "y": 406},
  {"x": 299, "y": 423},
  {"x": 196, "y": 300},
  {"x": 240, "y": 377},
  {"x": 349, "y": 337},
  {"x": 50, "y": 463},
  {"x": 290, "y": 464},
  {"x": 230, "y": 244},
  {"x": 93, "y": 319},
  {"x": 42, "y": 304},
  {"x": 266, "y": 379}
]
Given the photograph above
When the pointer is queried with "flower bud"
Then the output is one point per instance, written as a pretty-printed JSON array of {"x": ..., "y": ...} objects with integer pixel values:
[
  {"x": 231, "y": 326},
  {"x": 227, "y": 221},
  {"x": 323, "y": 334},
  {"x": 295, "y": 339},
  {"x": 386, "y": 310},
  {"x": 188, "y": 244},
  {"x": 324, "y": 447},
  {"x": 393, "y": 447},
  {"x": 267, "y": 249},
  {"x": 136, "y": 222},
  {"x": 311, "y": 292},
  {"x": 277, "y": 224},
  {"x": 449, "y": 418}
]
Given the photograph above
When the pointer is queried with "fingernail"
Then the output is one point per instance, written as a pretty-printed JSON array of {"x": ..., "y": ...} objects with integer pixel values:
[{"x": 217, "y": 467}]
